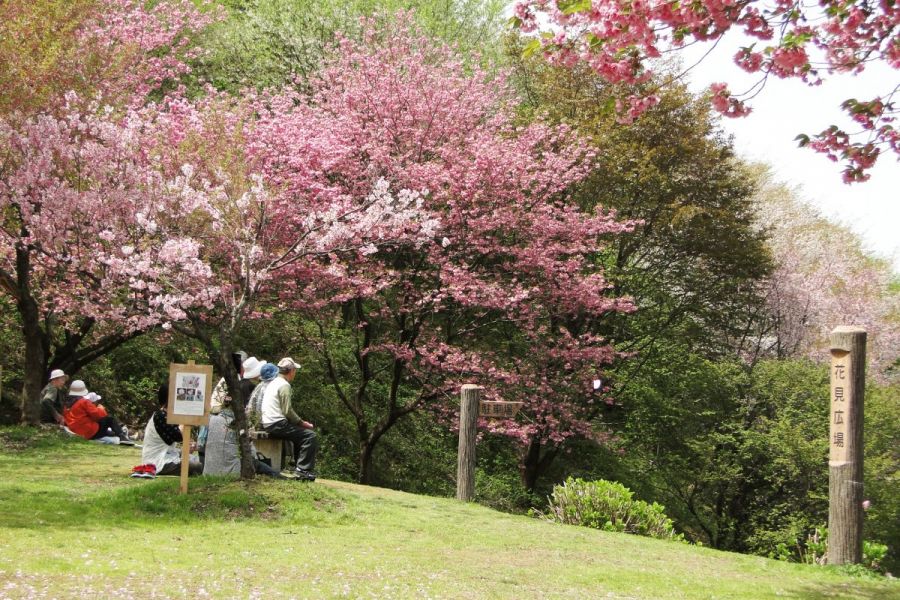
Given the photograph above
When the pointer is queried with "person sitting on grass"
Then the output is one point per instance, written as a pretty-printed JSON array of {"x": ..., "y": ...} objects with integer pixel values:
[
  {"x": 223, "y": 453},
  {"x": 53, "y": 398},
  {"x": 160, "y": 438},
  {"x": 218, "y": 398},
  {"x": 89, "y": 420}
]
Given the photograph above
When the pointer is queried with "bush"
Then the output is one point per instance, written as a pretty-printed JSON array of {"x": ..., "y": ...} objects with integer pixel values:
[
  {"x": 815, "y": 552},
  {"x": 609, "y": 506}
]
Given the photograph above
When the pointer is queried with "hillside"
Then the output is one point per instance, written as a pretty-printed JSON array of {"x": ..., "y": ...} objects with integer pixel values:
[{"x": 73, "y": 525}]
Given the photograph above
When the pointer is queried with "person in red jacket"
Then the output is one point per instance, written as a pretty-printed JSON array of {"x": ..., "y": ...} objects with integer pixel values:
[{"x": 90, "y": 420}]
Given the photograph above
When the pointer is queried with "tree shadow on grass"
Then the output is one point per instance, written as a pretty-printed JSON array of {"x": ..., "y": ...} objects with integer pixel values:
[
  {"x": 867, "y": 588},
  {"x": 32, "y": 506},
  {"x": 848, "y": 590}
]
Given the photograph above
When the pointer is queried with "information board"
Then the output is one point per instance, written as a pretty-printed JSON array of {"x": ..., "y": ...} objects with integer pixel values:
[{"x": 190, "y": 389}]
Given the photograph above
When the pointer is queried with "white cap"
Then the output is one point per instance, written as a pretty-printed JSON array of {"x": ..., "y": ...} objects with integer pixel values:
[
  {"x": 78, "y": 388},
  {"x": 56, "y": 373},
  {"x": 94, "y": 397},
  {"x": 252, "y": 367},
  {"x": 287, "y": 364}
]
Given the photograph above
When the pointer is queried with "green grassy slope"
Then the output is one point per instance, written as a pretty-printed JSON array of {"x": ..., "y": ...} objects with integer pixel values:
[{"x": 72, "y": 524}]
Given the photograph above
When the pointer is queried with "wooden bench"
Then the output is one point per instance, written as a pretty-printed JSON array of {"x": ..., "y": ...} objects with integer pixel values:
[{"x": 272, "y": 448}]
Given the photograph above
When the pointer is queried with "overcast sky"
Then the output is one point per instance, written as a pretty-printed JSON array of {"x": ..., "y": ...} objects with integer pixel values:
[{"x": 786, "y": 108}]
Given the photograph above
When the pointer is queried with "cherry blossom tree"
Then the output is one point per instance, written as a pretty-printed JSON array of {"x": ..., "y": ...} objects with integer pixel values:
[
  {"x": 505, "y": 288},
  {"x": 232, "y": 221},
  {"x": 787, "y": 39},
  {"x": 823, "y": 279},
  {"x": 70, "y": 162}
]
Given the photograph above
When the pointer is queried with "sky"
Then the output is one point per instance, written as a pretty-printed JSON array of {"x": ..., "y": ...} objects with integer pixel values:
[{"x": 786, "y": 108}]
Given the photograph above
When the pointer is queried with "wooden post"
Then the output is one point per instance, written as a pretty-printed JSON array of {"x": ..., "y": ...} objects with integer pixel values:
[
  {"x": 845, "y": 460},
  {"x": 185, "y": 456},
  {"x": 468, "y": 422}
]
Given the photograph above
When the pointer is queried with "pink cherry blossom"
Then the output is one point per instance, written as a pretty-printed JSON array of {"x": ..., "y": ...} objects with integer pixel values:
[{"x": 619, "y": 39}]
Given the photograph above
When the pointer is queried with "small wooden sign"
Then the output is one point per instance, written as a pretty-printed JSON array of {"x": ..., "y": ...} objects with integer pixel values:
[
  {"x": 499, "y": 409},
  {"x": 190, "y": 389}
]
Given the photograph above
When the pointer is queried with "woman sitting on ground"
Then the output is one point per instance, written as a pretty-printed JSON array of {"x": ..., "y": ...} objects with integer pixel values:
[
  {"x": 160, "y": 439},
  {"x": 89, "y": 420},
  {"x": 223, "y": 447}
]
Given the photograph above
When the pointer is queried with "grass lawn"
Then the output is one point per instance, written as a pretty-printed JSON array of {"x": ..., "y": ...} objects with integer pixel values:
[{"x": 72, "y": 524}]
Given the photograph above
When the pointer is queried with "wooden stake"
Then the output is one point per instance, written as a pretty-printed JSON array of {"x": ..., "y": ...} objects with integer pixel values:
[
  {"x": 185, "y": 456},
  {"x": 845, "y": 461},
  {"x": 468, "y": 423}
]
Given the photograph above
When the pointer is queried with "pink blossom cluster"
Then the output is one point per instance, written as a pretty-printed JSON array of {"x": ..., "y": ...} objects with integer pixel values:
[
  {"x": 722, "y": 100},
  {"x": 495, "y": 247},
  {"x": 147, "y": 43},
  {"x": 618, "y": 39},
  {"x": 82, "y": 192},
  {"x": 403, "y": 185}
]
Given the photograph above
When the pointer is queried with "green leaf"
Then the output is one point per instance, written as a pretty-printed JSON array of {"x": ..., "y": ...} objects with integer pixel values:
[
  {"x": 531, "y": 47},
  {"x": 569, "y": 7}
]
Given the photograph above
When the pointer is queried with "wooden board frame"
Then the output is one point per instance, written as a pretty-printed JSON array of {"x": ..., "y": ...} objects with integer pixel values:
[{"x": 177, "y": 371}]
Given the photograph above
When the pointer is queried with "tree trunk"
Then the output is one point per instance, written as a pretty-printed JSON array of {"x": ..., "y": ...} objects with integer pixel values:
[
  {"x": 530, "y": 462},
  {"x": 366, "y": 449},
  {"x": 35, "y": 356},
  {"x": 35, "y": 341},
  {"x": 534, "y": 465},
  {"x": 227, "y": 367}
]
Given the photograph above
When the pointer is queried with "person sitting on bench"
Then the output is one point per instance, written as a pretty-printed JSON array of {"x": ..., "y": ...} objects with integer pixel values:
[{"x": 281, "y": 422}]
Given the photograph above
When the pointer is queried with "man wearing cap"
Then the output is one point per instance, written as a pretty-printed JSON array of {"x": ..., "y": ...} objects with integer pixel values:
[
  {"x": 281, "y": 422},
  {"x": 53, "y": 397}
]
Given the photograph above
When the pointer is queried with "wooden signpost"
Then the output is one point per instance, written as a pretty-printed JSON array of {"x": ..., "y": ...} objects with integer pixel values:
[
  {"x": 845, "y": 460},
  {"x": 468, "y": 426},
  {"x": 190, "y": 389},
  {"x": 469, "y": 408}
]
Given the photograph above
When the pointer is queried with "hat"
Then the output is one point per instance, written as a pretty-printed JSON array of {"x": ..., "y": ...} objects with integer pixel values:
[
  {"x": 268, "y": 372},
  {"x": 93, "y": 397},
  {"x": 56, "y": 373},
  {"x": 252, "y": 367},
  {"x": 78, "y": 388},
  {"x": 287, "y": 364}
]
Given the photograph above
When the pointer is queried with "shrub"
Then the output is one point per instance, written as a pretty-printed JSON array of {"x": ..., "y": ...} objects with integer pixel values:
[
  {"x": 815, "y": 552},
  {"x": 609, "y": 506}
]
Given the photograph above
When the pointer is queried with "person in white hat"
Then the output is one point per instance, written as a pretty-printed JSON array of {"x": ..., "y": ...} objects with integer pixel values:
[
  {"x": 250, "y": 376},
  {"x": 53, "y": 398},
  {"x": 89, "y": 420},
  {"x": 248, "y": 370},
  {"x": 280, "y": 421}
]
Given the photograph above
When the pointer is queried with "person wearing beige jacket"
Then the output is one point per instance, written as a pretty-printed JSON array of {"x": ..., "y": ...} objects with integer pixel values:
[{"x": 280, "y": 421}]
